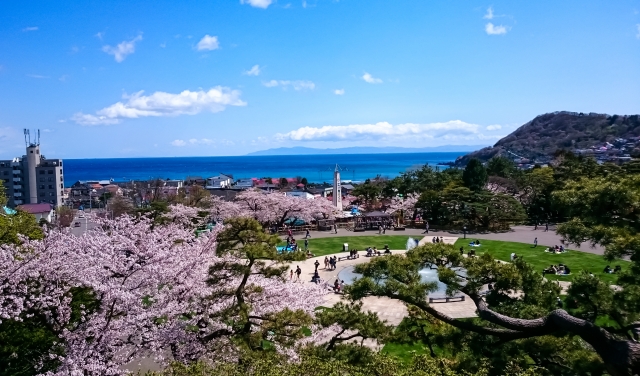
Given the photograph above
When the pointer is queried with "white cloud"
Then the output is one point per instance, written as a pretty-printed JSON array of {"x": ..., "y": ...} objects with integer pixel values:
[
  {"x": 123, "y": 49},
  {"x": 163, "y": 104},
  {"x": 37, "y": 76},
  {"x": 298, "y": 85},
  {"x": 254, "y": 71},
  {"x": 257, "y": 3},
  {"x": 99, "y": 35},
  {"x": 489, "y": 14},
  {"x": 494, "y": 127},
  {"x": 30, "y": 28},
  {"x": 638, "y": 34},
  {"x": 380, "y": 131},
  {"x": 178, "y": 143},
  {"x": 491, "y": 29},
  {"x": 208, "y": 43},
  {"x": 338, "y": 92},
  {"x": 370, "y": 79}
]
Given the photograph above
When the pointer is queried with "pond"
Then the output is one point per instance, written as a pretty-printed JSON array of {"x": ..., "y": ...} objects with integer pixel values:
[{"x": 348, "y": 275}]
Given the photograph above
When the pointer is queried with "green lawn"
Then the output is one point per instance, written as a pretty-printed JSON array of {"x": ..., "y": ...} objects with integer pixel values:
[
  {"x": 327, "y": 246},
  {"x": 540, "y": 259}
]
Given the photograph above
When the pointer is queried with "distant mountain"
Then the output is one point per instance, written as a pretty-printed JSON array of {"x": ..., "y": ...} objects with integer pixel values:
[
  {"x": 299, "y": 150},
  {"x": 540, "y": 138}
]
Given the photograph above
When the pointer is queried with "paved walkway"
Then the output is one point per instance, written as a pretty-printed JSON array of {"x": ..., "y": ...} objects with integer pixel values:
[{"x": 520, "y": 234}]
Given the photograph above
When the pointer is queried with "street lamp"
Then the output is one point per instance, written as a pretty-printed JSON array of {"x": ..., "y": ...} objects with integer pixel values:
[{"x": 464, "y": 230}]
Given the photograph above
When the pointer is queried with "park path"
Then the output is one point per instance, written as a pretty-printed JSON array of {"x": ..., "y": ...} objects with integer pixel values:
[{"x": 519, "y": 234}]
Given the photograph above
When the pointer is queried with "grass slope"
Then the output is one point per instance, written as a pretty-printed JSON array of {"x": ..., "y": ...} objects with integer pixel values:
[{"x": 540, "y": 259}]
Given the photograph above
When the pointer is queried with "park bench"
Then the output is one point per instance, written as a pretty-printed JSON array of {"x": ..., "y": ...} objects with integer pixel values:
[
  {"x": 348, "y": 257},
  {"x": 447, "y": 299}
]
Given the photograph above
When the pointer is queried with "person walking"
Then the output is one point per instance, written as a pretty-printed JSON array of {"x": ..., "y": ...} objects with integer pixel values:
[
  {"x": 290, "y": 233},
  {"x": 335, "y": 228},
  {"x": 535, "y": 242},
  {"x": 384, "y": 229},
  {"x": 306, "y": 244},
  {"x": 426, "y": 227},
  {"x": 326, "y": 262},
  {"x": 291, "y": 275},
  {"x": 298, "y": 272},
  {"x": 546, "y": 227},
  {"x": 379, "y": 229},
  {"x": 308, "y": 235},
  {"x": 317, "y": 263}
]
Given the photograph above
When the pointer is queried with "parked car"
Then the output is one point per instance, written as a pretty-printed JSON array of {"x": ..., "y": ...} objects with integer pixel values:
[{"x": 77, "y": 224}]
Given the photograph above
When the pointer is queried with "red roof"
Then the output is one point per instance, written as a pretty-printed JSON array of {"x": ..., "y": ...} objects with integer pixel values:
[{"x": 36, "y": 208}]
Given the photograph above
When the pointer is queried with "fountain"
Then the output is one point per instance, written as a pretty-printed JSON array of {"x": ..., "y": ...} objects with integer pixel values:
[
  {"x": 411, "y": 243},
  {"x": 348, "y": 275}
]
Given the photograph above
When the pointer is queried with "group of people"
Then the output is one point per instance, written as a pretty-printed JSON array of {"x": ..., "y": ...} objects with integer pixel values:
[
  {"x": 559, "y": 269},
  {"x": 375, "y": 252},
  {"x": 471, "y": 253},
  {"x": 338, "y": 285},
  {"x": 330, "y": 262},
  {"x": 617, "y": 269},
  {"x": 556, "y": 249},
  {"x": 353, "y": 254},
  {"x": 435, "y": 239}
]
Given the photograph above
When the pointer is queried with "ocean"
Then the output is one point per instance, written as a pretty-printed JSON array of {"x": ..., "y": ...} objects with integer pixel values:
[{"x": 316, "y": 168}]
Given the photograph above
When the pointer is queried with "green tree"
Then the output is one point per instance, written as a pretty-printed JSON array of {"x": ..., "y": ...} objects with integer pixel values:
[
  {"x": 245, "y": 238},
  {"x": 500, "y": 166},
  {"x": 505, "y": 321},
  {"x": 474, "y": 175},
  {"x": 368, "y": 193}
]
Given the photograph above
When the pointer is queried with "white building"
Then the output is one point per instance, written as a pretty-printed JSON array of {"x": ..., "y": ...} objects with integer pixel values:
[
  {"x": 301, "y": 194},
  {"x": 244, "y": 183},
  {"x": 219, "y": 182}
]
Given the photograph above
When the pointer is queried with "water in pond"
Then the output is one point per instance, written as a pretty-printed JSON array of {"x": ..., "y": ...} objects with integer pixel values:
[{"x": 348, "y": 275}]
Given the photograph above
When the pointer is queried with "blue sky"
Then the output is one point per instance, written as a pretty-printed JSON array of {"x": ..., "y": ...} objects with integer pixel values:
[{"x": 165, "y": 78}]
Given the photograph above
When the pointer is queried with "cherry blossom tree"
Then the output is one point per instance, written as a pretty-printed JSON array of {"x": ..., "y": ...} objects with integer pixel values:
[
  {"x": 403, "y": 206},
  {"x": 131, "y": 289},
  {"x": 276, "y": 207}
]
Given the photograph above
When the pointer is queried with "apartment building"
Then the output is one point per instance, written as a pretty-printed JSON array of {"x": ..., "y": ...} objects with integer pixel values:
[{"x": 32, "y": 179}]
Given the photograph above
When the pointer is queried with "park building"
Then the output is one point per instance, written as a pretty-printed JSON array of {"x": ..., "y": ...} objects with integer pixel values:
[{"x": 32, "y": 178}]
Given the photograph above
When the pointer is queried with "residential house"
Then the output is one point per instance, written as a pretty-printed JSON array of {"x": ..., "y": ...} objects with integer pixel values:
[
  {"x": 219, "y": 182},
  {"x": 40, "y": 211}
]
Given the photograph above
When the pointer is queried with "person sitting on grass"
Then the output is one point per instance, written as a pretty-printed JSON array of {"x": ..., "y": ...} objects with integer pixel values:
[
  {"x": 567, "y": 271},
  {"x": 309, "y": 254},
  {"x": 386, "y": 250},
  {"x": 617, "y": 269},
  {"x": 607, "y": 269},
  {"x": 461, "y": 251}
]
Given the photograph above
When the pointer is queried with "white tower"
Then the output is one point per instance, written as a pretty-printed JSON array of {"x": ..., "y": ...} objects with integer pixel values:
[{"x": 337, "y": 189}]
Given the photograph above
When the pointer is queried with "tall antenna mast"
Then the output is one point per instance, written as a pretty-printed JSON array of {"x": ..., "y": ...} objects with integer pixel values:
[
  {"x": 38, "y": 141},
  {"x": 27, "y": 137}
]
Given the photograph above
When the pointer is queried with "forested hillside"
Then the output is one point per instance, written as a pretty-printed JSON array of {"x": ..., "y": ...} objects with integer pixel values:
[{"x": 544, "y": 135}]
